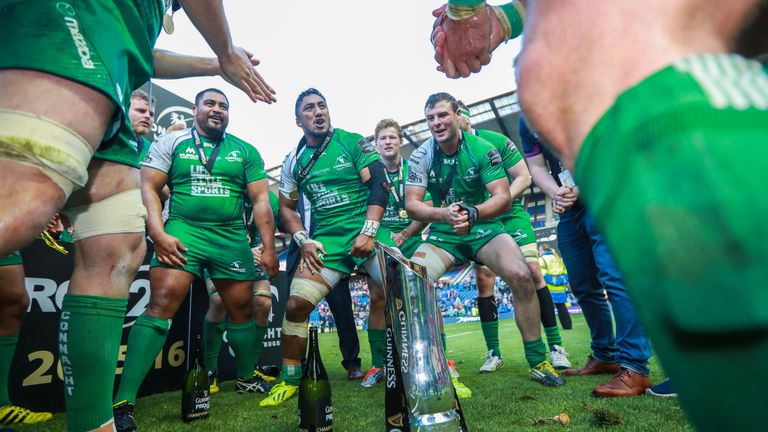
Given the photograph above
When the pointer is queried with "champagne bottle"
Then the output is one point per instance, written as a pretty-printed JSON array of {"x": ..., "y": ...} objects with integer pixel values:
[
  {"x": 315, "y": 409},
  {"x": 195, "y": 395}
]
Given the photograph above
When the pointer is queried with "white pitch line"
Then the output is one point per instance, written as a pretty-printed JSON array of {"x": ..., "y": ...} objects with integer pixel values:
[{"x": 462, "y": 334}]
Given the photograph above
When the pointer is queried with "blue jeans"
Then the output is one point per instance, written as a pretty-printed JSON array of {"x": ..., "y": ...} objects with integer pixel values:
[{"x": 591, "y": 270}]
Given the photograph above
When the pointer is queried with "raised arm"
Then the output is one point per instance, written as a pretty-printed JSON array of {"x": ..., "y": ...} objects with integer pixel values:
[{"x": 209, "y": 18}]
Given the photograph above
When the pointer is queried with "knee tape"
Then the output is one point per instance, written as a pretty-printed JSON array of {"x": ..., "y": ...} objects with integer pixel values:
[
  {"x": 295, "y": 329},
  {"x": 309, "y": 290},
  {"x": 430, "y": 257},
  {"x": 262, "y": 293},
  {"x": 530, "y": 252},
  {"x": 57, "y": 151},
  {"x": 120, "y": 213}
]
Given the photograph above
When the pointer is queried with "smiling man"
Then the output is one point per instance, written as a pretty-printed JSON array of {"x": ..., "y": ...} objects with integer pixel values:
[
  {"x": 464, "y": 175},
  {"x": 210, "y": 173},
  {"x": 342, "y": 176}
]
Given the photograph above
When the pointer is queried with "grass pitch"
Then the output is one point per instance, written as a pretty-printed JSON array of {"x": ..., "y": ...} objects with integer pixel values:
[{"x": 506, "y": 400}]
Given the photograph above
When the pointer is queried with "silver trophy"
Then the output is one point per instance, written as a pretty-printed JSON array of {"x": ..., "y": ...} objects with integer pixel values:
[{"x": 430, "y": 401}]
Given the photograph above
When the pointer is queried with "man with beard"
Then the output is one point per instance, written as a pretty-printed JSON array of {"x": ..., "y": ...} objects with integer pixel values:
[
  {"x": 517, "y": 223},
  {"x": 209, "y": 173},
  {"x": 464, "y": 175},
  {"x": 342, "y": 176},
  {"x": 142, "y": 115},
  {"x": 66, "y": 141},
  {"x": 646, "y": 103}
]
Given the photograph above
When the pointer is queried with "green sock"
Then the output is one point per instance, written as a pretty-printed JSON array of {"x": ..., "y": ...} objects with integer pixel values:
[
  {"x": 90, "y": 329},
  {"x": 212, "y": 332},
  {"x": 261, "y": 331},
  {"x": 553, "y": 337},
  {"x": 491, "y": 335},
  {"x": 145, "y": 341},
  {"x": 377, "y": 340},
  {"x": 291, "y": 374},
  {"x": 442, "y": 341},
  {"x": 7, "y": 347},
  {"x": 535, "y": 352},
  {"x": 242, "y": 339}
]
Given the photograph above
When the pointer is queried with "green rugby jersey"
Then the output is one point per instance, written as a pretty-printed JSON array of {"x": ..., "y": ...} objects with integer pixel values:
[
  {"x": 333, "y": 186},
  {"x": 253, "y": 230},
  {"x": 477, "y": 163},
  {"x": 197, "y": 196},
  {"x": 510, "y": 156},
  {"x": 666, "y": 173},
  {"x": 392, "y": 218}
]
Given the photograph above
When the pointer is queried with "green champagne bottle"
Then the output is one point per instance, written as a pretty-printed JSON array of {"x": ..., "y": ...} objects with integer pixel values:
[
  {"x": 195, "y": 395},
  {"x": 315, "y": 409}
]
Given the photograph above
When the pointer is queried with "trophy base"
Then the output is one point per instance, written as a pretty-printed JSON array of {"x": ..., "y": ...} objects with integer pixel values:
[{"x": 440, "y": 422}]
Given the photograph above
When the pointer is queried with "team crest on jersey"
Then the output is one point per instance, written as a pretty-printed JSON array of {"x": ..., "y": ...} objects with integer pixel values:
[
  {"x": 237, "y": 266},
  {"x": 234, "y": 156},
  {"x": 342, "y": 162},
  {"x": 494, "y": 157},
  {"x": 471, "y": 174},
  {"x": 482, "y": 232},
  {"x": 366, "y": 146},
  {"x": 189, "y": 153}
]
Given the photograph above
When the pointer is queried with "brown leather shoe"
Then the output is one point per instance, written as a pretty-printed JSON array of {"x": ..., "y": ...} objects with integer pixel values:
[
  {"x": 624, "y": 383},
  {"x": 354, "y": 373},
  {"x": 593, "y": 367}
]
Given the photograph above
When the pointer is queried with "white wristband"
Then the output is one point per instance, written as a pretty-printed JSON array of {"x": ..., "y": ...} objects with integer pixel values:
[
  {"x": 300, "y": 237},
  {"x": 370, "y": 228}
]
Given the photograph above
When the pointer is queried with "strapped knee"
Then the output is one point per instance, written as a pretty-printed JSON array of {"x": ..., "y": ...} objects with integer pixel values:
[
  {"x": 120, "y": 213},
  {"x": 296, "y": 329},
  {"x": 530, "y": 252},
  {"x": 57, "y": 151}
]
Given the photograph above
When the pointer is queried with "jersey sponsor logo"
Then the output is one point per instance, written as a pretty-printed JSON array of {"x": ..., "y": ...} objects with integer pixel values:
[
  {"x": 82, "y": 47},
  {"x": 511, "y": 146},
  {"x": 237, "y": 266},
  {"x": 436, "y": 238},
  {"x": 234, "y": 156},
  {"x": 205, "y": 185},
  {"x": 494, "y": 157},
  {"x": 342, "y": 163},
  {"x": 189, "y": 153},
  {"x": 414, "y": 178},
  {"x": 366, "y": 146}
]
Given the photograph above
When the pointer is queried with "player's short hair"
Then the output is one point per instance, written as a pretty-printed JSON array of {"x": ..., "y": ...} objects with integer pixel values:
[
  {"x": 305, "y": 93},
  {"x": 199, "y": 96},
  {"x": 141, "y": 94},
  {"x": 387, "y": 123},
  {"x": 436, "y": 98}
]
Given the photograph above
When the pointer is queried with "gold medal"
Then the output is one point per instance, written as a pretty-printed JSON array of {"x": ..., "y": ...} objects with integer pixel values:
[
  {"x": 168, "y": 22},
  {"x": 403, "y": 214},
  {"x": 444, "y": 204},
  {"x": 294, "y": 195}
]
